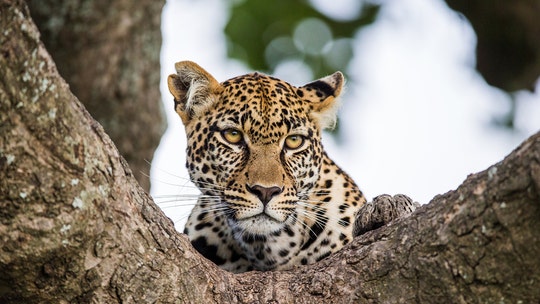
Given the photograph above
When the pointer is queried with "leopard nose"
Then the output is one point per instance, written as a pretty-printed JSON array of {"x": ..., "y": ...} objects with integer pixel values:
[{"x": 265, "y": 194}]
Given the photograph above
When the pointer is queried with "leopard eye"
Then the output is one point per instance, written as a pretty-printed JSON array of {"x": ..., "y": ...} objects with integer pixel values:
[
  {"x": 293, "y": 142},
  {"x": 232, "y": 136}
]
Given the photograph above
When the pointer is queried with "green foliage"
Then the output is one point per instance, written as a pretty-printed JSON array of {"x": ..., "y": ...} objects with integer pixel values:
[{"x": 264, "y": 34}]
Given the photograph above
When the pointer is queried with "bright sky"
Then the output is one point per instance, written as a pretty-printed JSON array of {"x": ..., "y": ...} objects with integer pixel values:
[{"x": 415, "y": 115}]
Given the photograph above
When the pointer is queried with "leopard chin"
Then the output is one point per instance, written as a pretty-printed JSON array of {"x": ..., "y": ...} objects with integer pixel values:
[{"x": 261, "y": 224}]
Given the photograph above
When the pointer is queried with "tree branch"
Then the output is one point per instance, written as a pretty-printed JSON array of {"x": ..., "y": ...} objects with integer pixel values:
[
  {"x": 76, "y": 227},
  {"x": 108, "y": 52}
]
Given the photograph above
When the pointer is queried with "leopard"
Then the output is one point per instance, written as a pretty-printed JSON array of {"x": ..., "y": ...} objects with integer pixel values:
[{"x": 271, "y": 198}]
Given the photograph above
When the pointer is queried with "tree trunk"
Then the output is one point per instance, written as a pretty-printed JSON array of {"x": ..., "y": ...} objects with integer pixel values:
[
  {"x": 108, "y": 51},
  {"x": 76, "y": 228}
]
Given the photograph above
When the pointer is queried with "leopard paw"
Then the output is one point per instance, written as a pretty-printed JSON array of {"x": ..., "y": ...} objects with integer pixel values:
[{"x": 381, "y": 211}]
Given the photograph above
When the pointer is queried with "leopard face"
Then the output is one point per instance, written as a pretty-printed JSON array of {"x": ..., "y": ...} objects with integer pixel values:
[
  {"x": 261, "y": 157},
  {"x": 254, "y": 150}
]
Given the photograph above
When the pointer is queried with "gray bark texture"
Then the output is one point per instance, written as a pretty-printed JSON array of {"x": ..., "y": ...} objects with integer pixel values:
[
  {"x": 108, "y": 51},
  {"x": 75, "y": 227}
]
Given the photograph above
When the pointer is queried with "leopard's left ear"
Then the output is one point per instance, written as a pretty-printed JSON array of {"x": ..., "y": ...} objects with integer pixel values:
[{"x": 322, "y": 95}]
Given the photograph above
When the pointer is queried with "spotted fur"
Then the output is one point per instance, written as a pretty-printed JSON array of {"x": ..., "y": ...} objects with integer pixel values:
[{"x": 271, "y": 197}]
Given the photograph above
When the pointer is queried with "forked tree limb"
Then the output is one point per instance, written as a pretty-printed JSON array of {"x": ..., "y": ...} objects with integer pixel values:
[{"x": 76, "y": 228}]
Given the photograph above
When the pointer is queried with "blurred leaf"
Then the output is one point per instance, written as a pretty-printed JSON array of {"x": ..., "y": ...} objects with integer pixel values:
[
  {"x": 264, "y": 34},
  {"x": 508, "y": 47}
]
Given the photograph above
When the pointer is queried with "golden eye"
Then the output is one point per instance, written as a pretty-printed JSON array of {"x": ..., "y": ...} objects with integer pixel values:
[
  {"x": 294, "y": 141},
  {"x": 232, "y": 136}
]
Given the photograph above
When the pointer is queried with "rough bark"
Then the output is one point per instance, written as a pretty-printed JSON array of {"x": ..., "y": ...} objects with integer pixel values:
[
  {"x": 76, "y": 228},
  {"x": 108, "y": 52}
]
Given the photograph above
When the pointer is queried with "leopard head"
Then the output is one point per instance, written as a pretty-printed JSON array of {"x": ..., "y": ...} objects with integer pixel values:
[{"x": 254, "y": 142}]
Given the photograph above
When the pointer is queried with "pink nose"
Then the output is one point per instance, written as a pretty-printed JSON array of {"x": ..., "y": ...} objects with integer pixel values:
[{"x": 265, "y": 194}]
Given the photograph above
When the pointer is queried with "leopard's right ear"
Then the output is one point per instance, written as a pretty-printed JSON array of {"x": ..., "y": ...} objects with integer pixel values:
[{"x": 193, "y": 88}]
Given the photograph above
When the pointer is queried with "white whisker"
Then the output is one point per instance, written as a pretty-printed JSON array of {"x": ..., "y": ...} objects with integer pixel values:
[
  {"x": 175, "y": 206},
  {"x": 304, "y": 224},
  {"x": 319, "y": 207},
  {"x": 312, "y": 214},
  {"x": 176, "y": 201},
  {"x": 178, "y": 196}
]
